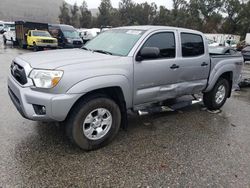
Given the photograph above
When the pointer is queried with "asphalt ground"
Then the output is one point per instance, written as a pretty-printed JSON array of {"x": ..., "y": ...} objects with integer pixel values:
[{"x": 188, "y": 148}]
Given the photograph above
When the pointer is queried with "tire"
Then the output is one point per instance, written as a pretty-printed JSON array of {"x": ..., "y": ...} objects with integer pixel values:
[
  {"x": 24, "y": 46},
  {"x": 210, "y": 99},
  {"x": 77, "y": 124},
  {"x": 4, "y": 40},
  {"x": 35, "y": 47}
]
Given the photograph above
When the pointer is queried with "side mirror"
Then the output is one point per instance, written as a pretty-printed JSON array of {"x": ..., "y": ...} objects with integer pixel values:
[
  {"x": 26, "y": 34},
  {"x": 148, "y": 53}
]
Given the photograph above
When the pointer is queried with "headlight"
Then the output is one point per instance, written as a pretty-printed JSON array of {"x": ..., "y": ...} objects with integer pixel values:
[
  {"x": 45, "y": 78},
  {"x": 38, "y": 40},
  {"x": 69, "y": 40}
]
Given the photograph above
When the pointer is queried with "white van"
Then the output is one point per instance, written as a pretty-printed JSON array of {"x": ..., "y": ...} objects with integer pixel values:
[{"x": 248, "y": 39}]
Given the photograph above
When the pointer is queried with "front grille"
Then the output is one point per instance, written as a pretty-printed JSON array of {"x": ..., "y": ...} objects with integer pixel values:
[
  {"x": 48, "y": 41},
  {"x": 18, "y": 73},
  {"x": 77, "y": 42}
]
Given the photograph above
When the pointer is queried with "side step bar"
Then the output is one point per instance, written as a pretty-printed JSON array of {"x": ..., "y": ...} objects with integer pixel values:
[{"x": 168, "y": 108}]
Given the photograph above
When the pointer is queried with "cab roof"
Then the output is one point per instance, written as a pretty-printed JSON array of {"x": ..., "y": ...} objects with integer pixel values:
[{"x": 155, "y": 28}]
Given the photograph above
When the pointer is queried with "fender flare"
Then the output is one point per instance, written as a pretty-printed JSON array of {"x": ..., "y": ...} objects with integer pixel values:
[
  {"x": 101, "y": 82},
  {"x": 216, "y": 74}
]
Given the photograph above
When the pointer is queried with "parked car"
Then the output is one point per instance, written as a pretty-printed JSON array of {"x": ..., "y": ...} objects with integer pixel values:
[
  {"x": 212, "y": 43},
  {"x": 134, "y": 68},
  {"x": 9, "y": 35},
  {"x": 247, "y": 39},
  {"x": 1, "y": 27},
  {"x": 22, "y": 29},
  {"x": 246, "y": 53},
  {"x": 7, "y": 25},
  {"x": 67, "y": 36},
  {"x": 221, "y": 50},
  {"x": 231, "y": 43},
  {"x": 88, "y": 34},
  {"x": 39, "y": 39}
]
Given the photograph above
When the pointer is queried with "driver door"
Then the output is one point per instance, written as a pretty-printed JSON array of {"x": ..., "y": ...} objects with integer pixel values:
[{"x": 153, "y": 77}]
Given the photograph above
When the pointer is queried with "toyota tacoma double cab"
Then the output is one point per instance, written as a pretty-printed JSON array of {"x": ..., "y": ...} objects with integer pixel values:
[{"x": 124, "y": 69}]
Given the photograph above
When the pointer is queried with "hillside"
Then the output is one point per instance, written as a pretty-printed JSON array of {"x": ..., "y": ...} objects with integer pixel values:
[{"x": 32, "y": 10}]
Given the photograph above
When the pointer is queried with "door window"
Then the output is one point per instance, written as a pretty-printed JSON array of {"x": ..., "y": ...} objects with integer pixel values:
[
  {"x": 192, "y": 45},
  {"x": 165, "y": 41}
]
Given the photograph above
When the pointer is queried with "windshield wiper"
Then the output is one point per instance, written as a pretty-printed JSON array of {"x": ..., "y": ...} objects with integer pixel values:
[
  {"x": 84, "y": 48},
  {"x": 103, "y": 52}
]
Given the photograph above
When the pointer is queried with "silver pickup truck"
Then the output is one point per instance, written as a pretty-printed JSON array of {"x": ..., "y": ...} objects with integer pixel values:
[{"x": 128, "y": 68}]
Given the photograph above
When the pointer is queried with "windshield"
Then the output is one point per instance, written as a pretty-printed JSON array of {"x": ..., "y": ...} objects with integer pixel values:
[
  {"x": 117, "y": 41},
  {"x": 41, "y": 34},
  {"x": 9, "y": 25},
  {"x": 71, "y": 34}
]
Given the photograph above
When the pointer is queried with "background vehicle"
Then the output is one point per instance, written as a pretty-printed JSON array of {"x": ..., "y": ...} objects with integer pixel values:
[
  {"x": 246, "y": 53},
  {"x": 22, "y": 29},
  {"x": 138, "y": 68},
  {"x": 7, "y": 25},
  {"x": 88, "y": 34},
  {"x": 67, "y": 36},
  {"x": 212, "y": 43},
  {"x": 10, "y": 35},
  {"x": 39, "y": 39},
  {"x": 1, "y": 27},
  {"x": 221, "y": 50},
  {"x": 247, "y": 39},
  {"x": 223, "y": 39}
]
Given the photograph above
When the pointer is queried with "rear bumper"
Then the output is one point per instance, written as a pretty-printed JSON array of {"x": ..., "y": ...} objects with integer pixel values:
[{"x": 57, "y": 105}]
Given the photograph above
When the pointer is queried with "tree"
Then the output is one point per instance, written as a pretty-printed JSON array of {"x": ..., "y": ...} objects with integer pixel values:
[
  {"x": 64, "y": 16},
  {"x": 85, "y": 16},
  {"x": 127, "y": 11},
  {"x": 244, "y": 23},
  {"x": 180, "y": 15},
  {"x": 105, "y": 13},
  {"x": 144, "y": 14},
  {"x": 208, "y": 13},
  {"x": 163, "y": 16},
  {"x": 75, "y": 16}
]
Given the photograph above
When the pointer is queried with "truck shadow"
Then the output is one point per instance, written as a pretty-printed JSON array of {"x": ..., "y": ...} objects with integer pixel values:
[
  {"x": 52, "y": 138},
  {"x": 176, "y": 135}
]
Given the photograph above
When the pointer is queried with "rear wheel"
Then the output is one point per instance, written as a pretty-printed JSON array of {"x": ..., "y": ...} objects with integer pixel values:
[
  {"x": 217, "y": 97},
  {"x": 4, "y": 40},
  {"x": 94, "y": 122}
]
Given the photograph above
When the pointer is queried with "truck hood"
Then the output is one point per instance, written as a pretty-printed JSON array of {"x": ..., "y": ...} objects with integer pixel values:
[{"x": 59, "y": 58}]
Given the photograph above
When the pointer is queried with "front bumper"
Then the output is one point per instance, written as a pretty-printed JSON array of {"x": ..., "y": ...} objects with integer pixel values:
[
  {"x": 57, "y": 105},
  {"x": 48, "y": 45}
]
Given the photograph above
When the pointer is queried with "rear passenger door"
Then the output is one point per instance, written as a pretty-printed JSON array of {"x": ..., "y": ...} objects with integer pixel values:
[{"x": 194, "y": 63}]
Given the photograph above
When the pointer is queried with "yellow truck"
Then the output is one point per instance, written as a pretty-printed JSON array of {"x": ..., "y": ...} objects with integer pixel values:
[
  {"x": 35, "y": 35},
  {"x": 39, "y": 39}
]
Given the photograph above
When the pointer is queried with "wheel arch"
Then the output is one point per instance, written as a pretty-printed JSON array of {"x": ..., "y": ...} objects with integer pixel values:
[
  {"x": 226, "y": 72},
  {"x": 115, "y": 93}
]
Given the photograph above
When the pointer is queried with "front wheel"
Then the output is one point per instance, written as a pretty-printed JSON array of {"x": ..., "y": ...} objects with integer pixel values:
[
  {"x": 94, "y": 122},
  {"x": 35, "y": 47},
  {"x": 217, "y": 97}
]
